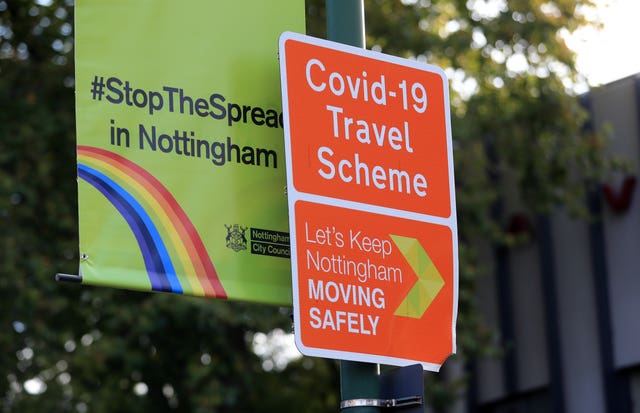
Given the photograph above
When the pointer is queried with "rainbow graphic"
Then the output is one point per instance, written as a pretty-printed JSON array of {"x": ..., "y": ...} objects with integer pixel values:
[{"x": 174, "y": 255}]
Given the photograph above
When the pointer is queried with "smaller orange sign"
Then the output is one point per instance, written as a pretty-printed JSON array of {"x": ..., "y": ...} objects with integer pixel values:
[
  {"x": 354, "y": 280},
  {"x": 371, "y": 204}
]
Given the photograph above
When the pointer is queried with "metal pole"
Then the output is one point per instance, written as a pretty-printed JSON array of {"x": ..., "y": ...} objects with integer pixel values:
[
  {"x": 359, "y": 381},
  {"x": 345, "y": 24}
]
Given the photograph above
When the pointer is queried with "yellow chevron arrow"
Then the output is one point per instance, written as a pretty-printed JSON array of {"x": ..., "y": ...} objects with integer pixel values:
[{"x": 428, "y": 284}]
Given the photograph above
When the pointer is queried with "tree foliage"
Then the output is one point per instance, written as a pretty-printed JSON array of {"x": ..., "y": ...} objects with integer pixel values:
[{"x": 517, "y": 127}]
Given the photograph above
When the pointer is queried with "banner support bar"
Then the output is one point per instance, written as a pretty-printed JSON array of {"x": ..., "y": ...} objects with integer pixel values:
[{"x": 69, "y": 278}]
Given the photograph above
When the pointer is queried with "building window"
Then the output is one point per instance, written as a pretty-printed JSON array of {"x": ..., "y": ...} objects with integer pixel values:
[{"x": 537, "y": 401}]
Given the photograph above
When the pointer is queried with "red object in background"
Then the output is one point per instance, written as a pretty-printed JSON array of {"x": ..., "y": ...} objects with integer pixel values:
[{"x": 620, "y": 202}]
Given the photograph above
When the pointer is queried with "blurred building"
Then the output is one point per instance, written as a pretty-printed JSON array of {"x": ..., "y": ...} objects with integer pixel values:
[{"x": 567, "y": 304}]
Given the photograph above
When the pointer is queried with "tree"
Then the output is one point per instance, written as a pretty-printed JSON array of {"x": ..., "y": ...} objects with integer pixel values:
[
  {"x": 103, "y": 350},
  {"x": 77, "y": 348},
  {"x": 518, "y": 126}
]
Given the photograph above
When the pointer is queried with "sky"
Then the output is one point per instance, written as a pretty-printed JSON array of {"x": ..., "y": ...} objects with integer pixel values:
[{"x": 613, "y": 52}]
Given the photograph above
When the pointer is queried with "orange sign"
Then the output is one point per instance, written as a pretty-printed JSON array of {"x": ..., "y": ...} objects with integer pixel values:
[{"x": 371, "y": 204}]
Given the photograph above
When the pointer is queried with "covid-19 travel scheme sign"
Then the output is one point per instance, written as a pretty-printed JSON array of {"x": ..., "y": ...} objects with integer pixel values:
[
  {"x": 371, "y": 204},
  {"x": 181, "y": 170}
]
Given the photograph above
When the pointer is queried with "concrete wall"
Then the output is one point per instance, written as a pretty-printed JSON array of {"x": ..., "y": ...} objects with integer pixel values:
[
  {"x": 617, "y": 105},
  {"x": 575, "y": 336}
]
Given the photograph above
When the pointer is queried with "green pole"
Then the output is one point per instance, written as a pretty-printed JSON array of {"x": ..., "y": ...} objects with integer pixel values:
[
  {"x": 345, "y": 24},
  {"x": 359, "y": 381}
]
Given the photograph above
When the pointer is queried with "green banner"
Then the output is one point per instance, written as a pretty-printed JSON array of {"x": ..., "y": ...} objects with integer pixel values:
[{"x": 181, "y": 169}]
